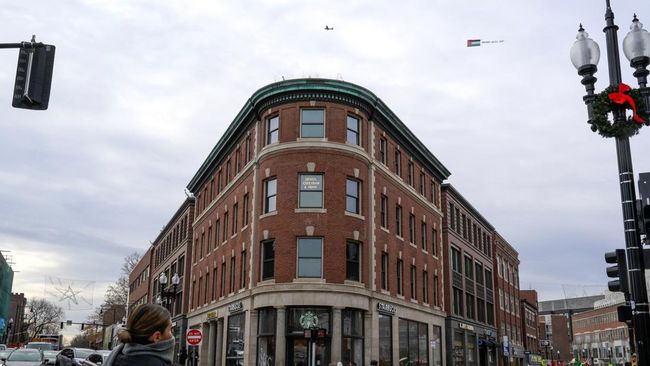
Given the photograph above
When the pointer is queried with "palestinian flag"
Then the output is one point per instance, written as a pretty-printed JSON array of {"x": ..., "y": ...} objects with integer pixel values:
[{"x": 473, "y": 42}]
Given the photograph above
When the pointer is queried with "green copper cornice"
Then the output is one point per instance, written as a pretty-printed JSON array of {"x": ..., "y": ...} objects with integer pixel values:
[{"x": 335, "y": 91}]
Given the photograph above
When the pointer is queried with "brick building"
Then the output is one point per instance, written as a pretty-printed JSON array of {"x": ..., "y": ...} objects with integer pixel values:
[
  {"x": 530, "y": 330},
  {"x": 139, "y": 282},
  {"x": 598, "y": 336},
  {"x": 468, "y": 277},
  {"x": 16, "y": 321},
  {"x": 318, "y": 210},
  {"x": 554, "y": 331},
  {"x": 506, "y": 278}
]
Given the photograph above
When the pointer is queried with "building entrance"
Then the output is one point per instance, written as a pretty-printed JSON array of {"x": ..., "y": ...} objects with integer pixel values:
[{"x": 306, "y": 352}]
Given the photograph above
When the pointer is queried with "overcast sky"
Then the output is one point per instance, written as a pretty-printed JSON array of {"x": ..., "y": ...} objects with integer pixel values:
[{"x": 143, "y": 90}]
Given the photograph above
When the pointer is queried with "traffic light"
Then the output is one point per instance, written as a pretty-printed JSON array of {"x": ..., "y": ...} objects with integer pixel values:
[
  {"x": 624, "y": 313},
  {"x": 33, "y": 76},
  {"x": 644, "y": 192},
  {"x": 617, "y": 271}
]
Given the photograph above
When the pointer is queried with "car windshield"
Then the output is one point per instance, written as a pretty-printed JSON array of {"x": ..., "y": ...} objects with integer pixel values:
[
  {"x": 24, "y": 356},
  {"x": 82, "y": 353}
]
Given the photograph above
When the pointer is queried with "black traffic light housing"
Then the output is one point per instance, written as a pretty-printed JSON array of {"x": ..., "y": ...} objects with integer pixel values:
[
  {"x": 33, "y": 76},
  {"x": 644, "y": 212},
  {"x": 617, "y": 271}
]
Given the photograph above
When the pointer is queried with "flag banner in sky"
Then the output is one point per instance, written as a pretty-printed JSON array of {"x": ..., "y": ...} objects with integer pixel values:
[{"x": 473, "y": 42}]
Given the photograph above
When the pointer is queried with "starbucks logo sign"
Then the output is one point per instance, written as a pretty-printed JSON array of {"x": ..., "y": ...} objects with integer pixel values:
[{"x": 308, "y": 320}]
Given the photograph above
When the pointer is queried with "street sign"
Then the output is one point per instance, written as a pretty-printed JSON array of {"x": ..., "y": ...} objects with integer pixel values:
[{"x": 194, "y": 337}]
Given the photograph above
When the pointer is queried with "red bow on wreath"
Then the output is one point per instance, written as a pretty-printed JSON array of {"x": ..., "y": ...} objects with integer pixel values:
[{"x": 621, "y": 97}]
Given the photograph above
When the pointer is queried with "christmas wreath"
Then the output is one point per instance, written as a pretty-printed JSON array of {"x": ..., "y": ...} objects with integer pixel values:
[{"x": 616, "y": 97}]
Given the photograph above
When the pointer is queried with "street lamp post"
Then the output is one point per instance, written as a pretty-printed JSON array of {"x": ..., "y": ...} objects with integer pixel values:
[
  {"x": 166, "y": 297},
  {"x": 584, "y": 55}
]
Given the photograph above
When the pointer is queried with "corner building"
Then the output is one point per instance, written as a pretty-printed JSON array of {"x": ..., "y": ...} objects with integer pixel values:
[{"x": 317, "y": 234}]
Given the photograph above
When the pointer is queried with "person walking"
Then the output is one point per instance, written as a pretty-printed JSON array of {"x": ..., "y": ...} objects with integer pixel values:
[
  {"x": 147, "y": 339},
  {"x": 182, "y": 356}
]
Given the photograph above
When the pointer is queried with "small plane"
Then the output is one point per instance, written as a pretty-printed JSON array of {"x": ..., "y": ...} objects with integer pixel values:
[{"x": 328, "y": 28}]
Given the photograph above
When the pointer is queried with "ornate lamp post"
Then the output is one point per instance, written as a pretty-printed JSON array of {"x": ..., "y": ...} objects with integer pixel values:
[
  {"x": 585, "y": 54},
  {"x": 166, "y": 297}
]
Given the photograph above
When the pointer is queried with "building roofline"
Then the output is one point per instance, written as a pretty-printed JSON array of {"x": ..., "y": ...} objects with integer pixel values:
[
  {"x": 309, "y": 89},
  {"x": 459, "y": 197},
  {"x": 505, "y": 243},
  {"x": 189, "y": 201}
]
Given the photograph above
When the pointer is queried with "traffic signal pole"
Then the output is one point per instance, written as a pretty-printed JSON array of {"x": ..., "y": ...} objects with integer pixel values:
[{"x": 633, "y": 246}]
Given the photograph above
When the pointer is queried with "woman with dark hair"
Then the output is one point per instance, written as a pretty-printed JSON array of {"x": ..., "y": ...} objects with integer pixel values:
[{"x": 147, "y": 339}]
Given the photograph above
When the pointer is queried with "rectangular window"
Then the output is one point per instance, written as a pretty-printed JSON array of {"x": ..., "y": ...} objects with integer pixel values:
[
  {"x": 398, "y": 163},
  {"x": 223, "y": 280},
  {"x": 464, "y": 223},
  {"x": 219, "y": 181},
  {"x": 268, "y": 260},
  {"x": 450, "y": 218},
  {"x": 470, "y": 306},
  {"x": 469, "y": 268},
  {"x": 398, "y": 220},
  {"x": 411, "y": 228},
  {"x": 383, "y": 211},
  {"x": 248, "y": 150},
  {"x": 245, "y": 209},
  {"x": 458, "y": 222},
  {"x": 311, "y": 191},
  {"x": 490, "y": 313},
  {"x": 217, "y": 227},
  {"x": 242, "y": 270},
  {"x": 201, "y": 249},
  {"x": 198, "y": 302},
  {"x": 352, "y": 194},
  {"x": 228, "y": 170},
  {"x": 352, "y": 261},
  {"x": 352, "y": 342},
  {"x": 436, "y": 292},
  {"x": 237, "y": 161},
  {"x": 235, "y": 340},
  {"x": 232, "y": 275},
  {"x": 384, "y": 271},
  {"x": 312, "y": 123},
  {"x": 433, "y": 194},
  {"x": 413, "y": 342},
  {"x": 458, "y": 301},
  {"x": 422, "y": 187},
  {"x": 480, "y": 310},
  {"x": 225, "y": 227},
  {"x": 235, "y": 216},
  {"x": 385, "y": 340},
  {"x": 207, "y": 288},
  {"x": 488, "y": 279},
  {"x": 400, "y": 277},
  {"x": 272, "y": 129},
  {"x": 266, "y": 337},
  {"x": 181, "y": 266},
  {"x": 423, "y": 235},
  {"x": 215, "y": 272},
  {"x": 353, "y": 131},
  {"x": 434, "y": 242},
  {"x": 455, "y": 260},
  {"x": 270, "y": 193},
  {"x": 382, "y": 150},
  {"x": 425, "y": 287},
  {"x": 410, "y": 174},
  {"x": 310, "y": 257},
  {"x": 479, "y": 273},
  {"x": 413, "y": 282}
]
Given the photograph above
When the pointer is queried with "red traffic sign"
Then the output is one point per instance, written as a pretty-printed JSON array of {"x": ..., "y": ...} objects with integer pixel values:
[{"x": 194, "y": 337}]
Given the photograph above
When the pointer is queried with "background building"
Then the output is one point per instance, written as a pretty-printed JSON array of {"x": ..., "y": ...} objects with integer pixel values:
[
  {"x": 16, "y": 320},
  {"x": 506, "y": 278},
  {"x": 598, "y": 336},
  {"x": 468, "y": 277},
  {"x": 6, "y": 282},
  {"x": 140, "y": 281},
  {"x": 530, "y": 328}
]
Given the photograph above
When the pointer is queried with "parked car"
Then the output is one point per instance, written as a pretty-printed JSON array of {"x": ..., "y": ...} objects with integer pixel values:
[
  {"x": 96, "y": 358},
  {"x": 3, "y": 347},
  {"x": 50, "y": 356},
  {"x": 25, "y": 357},
  {"x": 72, "y": 356},
  {"x": 42, "y": 346}
]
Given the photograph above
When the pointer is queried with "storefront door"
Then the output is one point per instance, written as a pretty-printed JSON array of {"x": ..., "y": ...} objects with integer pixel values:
[{"x": 299, "y": 352}]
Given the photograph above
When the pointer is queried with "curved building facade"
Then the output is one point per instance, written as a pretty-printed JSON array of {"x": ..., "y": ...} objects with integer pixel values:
[{"x": 317, "y": 236}]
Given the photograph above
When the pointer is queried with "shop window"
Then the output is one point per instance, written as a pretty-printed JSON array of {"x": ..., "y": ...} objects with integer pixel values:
[
  {"x": 266, "y": 337},
  {"x": 270, "y": 193},
  {"x": 235, "y": 339},
  {"x": 352, "y": 195},
  {"x": 436, "y": 345},
  {"x": 272, "y": 130},
  {"x": 312, "y": 123},
  {"x": 352, "y": 261},
  {"x": 471, "y": 349},
  {"x": 352, "y": 345},
  {"x": 413, "y": 342},
  {"x": 385, "y": 340},
  {"x": 458, "y": 352},
  {"x": 310, "y": 257},
  {"x": 311, "y": 191},
  {"x": 268, "y": 260},
  {"x": 353, "y": 129}
]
